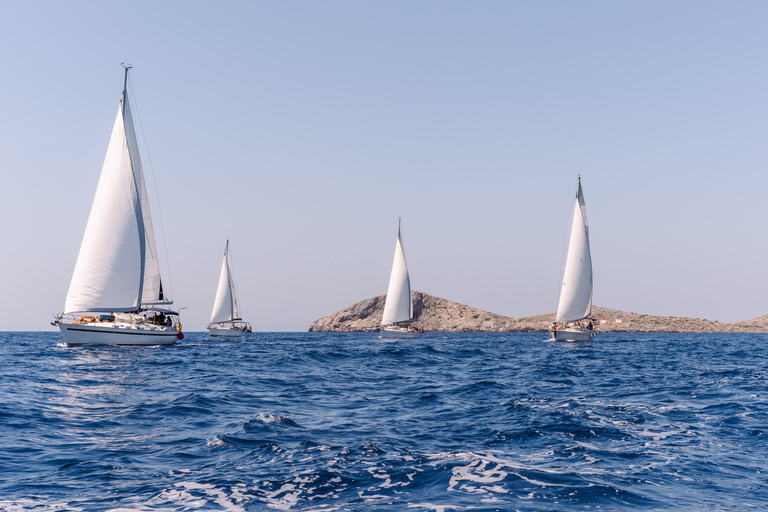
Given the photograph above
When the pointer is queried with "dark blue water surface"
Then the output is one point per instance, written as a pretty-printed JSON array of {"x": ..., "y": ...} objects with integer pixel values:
[{"x": 312, "y": 421}]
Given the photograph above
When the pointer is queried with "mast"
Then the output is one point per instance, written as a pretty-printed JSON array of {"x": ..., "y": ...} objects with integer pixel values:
[
  {"x": 125, "y": 78},
  {"x": 138, "y": 177}
]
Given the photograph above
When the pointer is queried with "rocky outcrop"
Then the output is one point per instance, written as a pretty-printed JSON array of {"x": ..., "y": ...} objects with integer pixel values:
[
  {"x": 430, "y": 313},
  {"x": 611, "y": 320},
  {"x": 434, "y": 314}
]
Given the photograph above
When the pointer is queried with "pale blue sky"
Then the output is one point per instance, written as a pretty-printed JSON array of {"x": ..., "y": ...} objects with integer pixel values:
[{"x": 302, "y": 130}]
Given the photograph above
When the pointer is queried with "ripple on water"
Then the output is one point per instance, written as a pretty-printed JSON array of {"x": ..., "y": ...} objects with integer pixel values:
[{"x": 312, "y": 421}]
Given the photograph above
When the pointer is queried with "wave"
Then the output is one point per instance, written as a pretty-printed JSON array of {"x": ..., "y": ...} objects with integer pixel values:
[
  {"x": 329, "y": 422},
  {"x": 270, "y": 419}
]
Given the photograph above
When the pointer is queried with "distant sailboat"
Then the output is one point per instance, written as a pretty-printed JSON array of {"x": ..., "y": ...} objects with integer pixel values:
[
  {"x": 398, "y": 308},
  {"x": 575, "y": 303},
  {"x": 225, "y": 319},
  {"x": 116, "y": 290}
]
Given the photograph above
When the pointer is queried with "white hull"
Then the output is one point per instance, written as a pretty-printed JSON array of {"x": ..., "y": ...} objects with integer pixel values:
[
  {"x": 394, "y": 332},
  {"x": 89, "y": 334},
  {"x": 229, "y": 333},
  {"x": 574, "y": 334}
]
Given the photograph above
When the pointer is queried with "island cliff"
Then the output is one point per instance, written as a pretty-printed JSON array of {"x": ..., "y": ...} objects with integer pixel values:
[{"x": 434, "y": 314}]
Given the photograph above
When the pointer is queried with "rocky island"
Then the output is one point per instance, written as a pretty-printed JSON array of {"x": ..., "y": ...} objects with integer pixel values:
[{"x": 434, "y": 314}]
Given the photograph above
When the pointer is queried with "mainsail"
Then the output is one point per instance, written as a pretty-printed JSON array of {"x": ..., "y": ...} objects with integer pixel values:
[
  {"x": 225, "y": 304},
  {"x": 113, "y": 272},
  {"x": 398, "y": 307},
  {"x": 576, "y": 291}
]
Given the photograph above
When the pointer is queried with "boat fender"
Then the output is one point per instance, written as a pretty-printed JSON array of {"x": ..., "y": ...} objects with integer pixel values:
[
  {"x": 180, "y": 335},
  {"x": 178, "y": 326}
]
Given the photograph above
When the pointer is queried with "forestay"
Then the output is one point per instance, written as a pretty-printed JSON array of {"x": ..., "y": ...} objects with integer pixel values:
[{"x": 576, "y": 291}]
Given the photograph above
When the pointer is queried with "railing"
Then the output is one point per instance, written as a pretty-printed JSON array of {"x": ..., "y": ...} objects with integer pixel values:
[{"x": 125, "y": 320}]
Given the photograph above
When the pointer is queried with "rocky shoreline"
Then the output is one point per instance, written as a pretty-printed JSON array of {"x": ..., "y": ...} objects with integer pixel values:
[{"x": 434, "y": 314}]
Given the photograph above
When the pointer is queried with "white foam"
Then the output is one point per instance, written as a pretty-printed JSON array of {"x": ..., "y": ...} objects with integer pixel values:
[
  {"x": 658, "y": 435},
  {"x": 216, "y": 443},
  {"x": 286, "y": 501},
  {"x": 477, "y": 472},
  {"x": 184, "y": 496},
  {"x": 23, "y": 505},
  {"x": 432, "y": 506},
  {"x": 271, "y": 418},
  {"x": 177, "y": 497}
]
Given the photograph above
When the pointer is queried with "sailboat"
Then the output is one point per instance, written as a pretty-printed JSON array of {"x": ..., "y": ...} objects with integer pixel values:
[
  {"x": 398, "y": 308},
  {"x": 116, "y": 294},
  {"x": 225, "y": 319},
  {"x": 575, "y": 303}
]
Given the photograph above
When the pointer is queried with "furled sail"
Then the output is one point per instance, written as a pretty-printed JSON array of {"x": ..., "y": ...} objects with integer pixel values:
[
  {"x": 225, "y": 304},
  {"x": 398, "y": 306},
  {"x": 576, "y": 291},
  {"x": 110, "y": 271}
]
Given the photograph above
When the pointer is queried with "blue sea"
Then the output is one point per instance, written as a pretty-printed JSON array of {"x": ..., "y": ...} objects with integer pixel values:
[{"x": 348, "y": 422}]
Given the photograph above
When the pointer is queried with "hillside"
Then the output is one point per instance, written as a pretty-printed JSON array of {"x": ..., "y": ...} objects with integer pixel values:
[{"x": 434, "y": 314}]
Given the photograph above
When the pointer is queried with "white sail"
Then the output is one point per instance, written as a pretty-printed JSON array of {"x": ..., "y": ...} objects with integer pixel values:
[
  {"x": 398, "y": 306},
  {"x": 152, "y": 291},
  {"x": 576, "y": 291},
  {"x": 235, "y": 310},
  {"x": 110, "y": 269},
  {"x": 225, "y": 304}
]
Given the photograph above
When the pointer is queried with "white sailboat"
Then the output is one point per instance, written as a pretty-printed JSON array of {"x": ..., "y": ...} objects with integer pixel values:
[
  {"x": 575, "y": 303},
  {"x": 225, "y": 319},
  {"x": 115, "y": 294},
  {"x": 398, "y": 308}
]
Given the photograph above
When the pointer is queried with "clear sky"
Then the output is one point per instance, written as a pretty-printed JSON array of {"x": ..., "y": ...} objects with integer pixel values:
[{"x": 301, "y": 131}]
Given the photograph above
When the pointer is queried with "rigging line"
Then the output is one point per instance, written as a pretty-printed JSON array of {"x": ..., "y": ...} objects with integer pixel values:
[{"x": 157, "y": 193}]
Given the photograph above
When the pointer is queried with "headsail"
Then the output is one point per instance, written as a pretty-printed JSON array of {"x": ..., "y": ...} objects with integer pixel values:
[
  {"x": 110, "y": 271},
  {"x": 225, "y": 304},
  {"x": 576, "y": 290},
  {"x": 398, "y": 306}
]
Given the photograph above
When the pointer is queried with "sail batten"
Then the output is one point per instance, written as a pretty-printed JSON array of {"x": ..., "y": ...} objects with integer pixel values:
[
  {"x": 575, "y": 302},
  {"x": 398, "y": 307}
]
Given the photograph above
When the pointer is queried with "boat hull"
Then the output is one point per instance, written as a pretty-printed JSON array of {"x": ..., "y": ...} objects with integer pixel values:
[
  {"x": 228, "y": 333},
  {"x": 78, "y": 334},
  {"x": 393, "y": 332},
  {"x": 574, "y": 334}
]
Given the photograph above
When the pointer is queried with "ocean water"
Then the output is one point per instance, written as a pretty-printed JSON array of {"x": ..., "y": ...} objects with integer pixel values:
[{"x": 322, "y": 422}]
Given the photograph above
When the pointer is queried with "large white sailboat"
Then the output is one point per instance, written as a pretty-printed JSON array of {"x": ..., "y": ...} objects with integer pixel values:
[
  {"x": 398, "y": 308},
  {"x": 225, "y": 319},
  {"x": 116, "y": 295},
  {"x": 575, "y": 304}
]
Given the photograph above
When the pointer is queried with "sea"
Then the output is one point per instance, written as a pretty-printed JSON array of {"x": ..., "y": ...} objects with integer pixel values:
[{"x": 350, "y": 422}]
